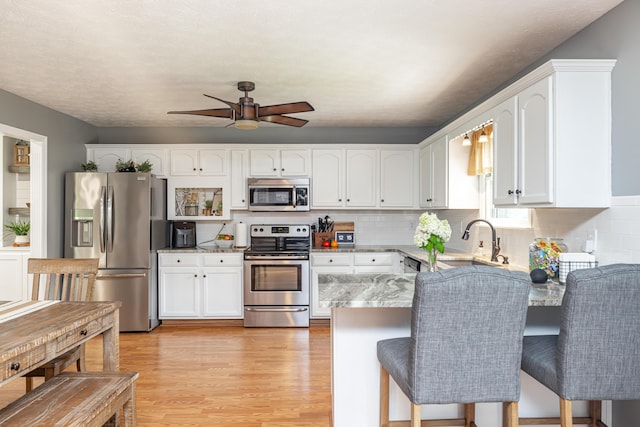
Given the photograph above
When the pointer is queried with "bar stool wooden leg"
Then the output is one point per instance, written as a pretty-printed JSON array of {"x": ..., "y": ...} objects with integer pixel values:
[
  {"x": 595, "y": 412},
  {"x": 384, "y": 397},
  {"x": 566, "y": 419},
  {"x": 510, "y": 414},
  {"x": 415, "y": 415},
  {"x": 469, "y": 414}
]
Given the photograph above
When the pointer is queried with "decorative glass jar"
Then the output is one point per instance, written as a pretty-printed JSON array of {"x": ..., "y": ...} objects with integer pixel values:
[{"x": 544, "y": 254}]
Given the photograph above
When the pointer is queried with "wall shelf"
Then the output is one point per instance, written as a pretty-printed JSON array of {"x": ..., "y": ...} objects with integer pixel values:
[
  {"x": 19, "y": 169},
  {"x": 19, "y": 211}
]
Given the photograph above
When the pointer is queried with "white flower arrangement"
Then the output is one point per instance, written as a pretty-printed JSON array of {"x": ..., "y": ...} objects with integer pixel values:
[{"x": 432, "y": 233}]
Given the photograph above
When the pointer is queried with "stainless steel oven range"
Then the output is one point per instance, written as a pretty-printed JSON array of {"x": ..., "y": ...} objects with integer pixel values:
[{"x": 276, "y": 276}]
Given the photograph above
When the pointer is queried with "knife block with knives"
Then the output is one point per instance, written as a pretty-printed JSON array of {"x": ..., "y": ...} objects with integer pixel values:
[{"x": 321, "y": 236}]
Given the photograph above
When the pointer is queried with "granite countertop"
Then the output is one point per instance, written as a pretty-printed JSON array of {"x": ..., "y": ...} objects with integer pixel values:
[{"x": 396, "y": 290}]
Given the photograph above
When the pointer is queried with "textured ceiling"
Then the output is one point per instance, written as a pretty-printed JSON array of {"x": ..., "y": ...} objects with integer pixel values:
[{"x": 358, "y": 62}]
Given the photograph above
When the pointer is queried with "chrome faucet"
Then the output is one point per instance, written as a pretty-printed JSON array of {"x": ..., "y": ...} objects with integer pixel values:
[{"x": 495, "y": 241}]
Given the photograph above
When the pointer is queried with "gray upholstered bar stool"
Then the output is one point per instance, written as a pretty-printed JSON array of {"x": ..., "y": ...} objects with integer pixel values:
[
  {"x": 596, "y": 355},
  {"x": 465, "y": 345}
]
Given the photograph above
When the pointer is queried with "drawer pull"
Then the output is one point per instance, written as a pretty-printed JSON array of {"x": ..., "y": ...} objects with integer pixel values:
[
  {"x": 83, "y": 332},
  {"x": 373, "y": 260},
  {"x": 330, "y": 260},
  {"x": 15, "y": 366},
  {"x": 178, "y": 260},
  {"x": 221, "y": 261}
]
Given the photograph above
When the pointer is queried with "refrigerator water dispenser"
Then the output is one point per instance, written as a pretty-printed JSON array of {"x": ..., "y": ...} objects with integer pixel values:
[{"x": 82, "y": 228}]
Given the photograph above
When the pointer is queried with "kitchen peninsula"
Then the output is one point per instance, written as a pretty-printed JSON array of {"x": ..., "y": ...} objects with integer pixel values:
[{"x": 366, "y": 308}]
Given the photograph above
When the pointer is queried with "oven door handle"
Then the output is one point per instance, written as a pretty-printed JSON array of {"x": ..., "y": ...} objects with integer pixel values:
[
  {"x": 287, "y": 310},
  {"x": 276, "y": 258}
]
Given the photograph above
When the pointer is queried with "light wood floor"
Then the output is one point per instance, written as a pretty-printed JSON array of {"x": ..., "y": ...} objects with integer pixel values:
[{"x": 223, "y": 376}]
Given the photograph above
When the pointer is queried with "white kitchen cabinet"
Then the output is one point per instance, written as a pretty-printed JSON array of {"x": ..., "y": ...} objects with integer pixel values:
[
  {"x": 444, "y": 183},
  {"x": 376, "y": 262},
  {"x": 107, "y": 157},
  {"x": 158, "y": 157},
  {"x": 192, "y": 162},
  {"x": 13, "y": 267},
  {"x": 552, "y": 139},
  {"x": 397, "y": 178},
  {"x": 361, "y": 180},
  {"x": 433, "y": 176},
  {"x": 238, "y": 176},
  {"x": 328, "y": 178},
  {"x": 200, "y": 286},
  {"x": 282, "y": 162}
]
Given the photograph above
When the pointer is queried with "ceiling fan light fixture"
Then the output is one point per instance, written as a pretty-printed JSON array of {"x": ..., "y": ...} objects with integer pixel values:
[
  {"x": 246, "y": 124},
  {"x": 466, "y": 142}
]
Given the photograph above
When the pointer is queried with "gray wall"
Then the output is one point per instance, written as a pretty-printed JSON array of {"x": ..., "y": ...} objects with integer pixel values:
[
  {"x": 264, "y": 135},
  {"x": 65, "y": 152}
]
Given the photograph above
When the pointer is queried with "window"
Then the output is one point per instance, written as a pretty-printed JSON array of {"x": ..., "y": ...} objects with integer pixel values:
[{"x": 500, "y": 217}]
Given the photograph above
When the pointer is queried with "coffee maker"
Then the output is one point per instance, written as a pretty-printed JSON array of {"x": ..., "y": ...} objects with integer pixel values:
[{"x": 183, "y": 234}]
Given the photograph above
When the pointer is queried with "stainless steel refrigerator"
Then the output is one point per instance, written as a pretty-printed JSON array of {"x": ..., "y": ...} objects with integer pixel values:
[{"x": 119, "y": 218}]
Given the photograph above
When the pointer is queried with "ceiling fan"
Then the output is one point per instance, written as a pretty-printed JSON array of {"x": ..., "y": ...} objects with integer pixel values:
[{"x": 246, "y": 114}]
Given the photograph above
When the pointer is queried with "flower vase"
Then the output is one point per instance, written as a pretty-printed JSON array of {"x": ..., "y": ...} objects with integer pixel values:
[{"x": 432, "y": 259}]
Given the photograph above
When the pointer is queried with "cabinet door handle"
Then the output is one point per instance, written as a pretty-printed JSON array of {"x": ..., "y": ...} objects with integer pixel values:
[
  {"x": 510, "y": 192},
  {"x": 373, "y": 260},
  {"x": 83, "y": 332},
  {"x": 195, "y": 275},
  {"x": 194, "y": 169},
  {"x": 204, "y": 275},
  {"x": 429, "y": 200},
  {"x": 282, "y": 169},
  {"x": 518, "y": 192},
  {"x": 15, "y": 366},
  {"x": 382, "y": 200},
  {"x": 339, "y": 200},
  {"x": 274, "y": 169},
  {"x": 348, "y": 200}
]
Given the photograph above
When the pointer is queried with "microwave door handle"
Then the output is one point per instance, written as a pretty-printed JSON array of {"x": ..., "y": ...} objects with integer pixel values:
[
  {"x": 295, "y": 196},
  {"x": 103, "y": 195}
]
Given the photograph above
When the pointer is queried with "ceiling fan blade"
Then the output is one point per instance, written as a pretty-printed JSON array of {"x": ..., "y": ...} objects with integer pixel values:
[
  {"x": 290, "y": 108},
  {"x": 233, "y": 105},
  {"x": 284, "y": 120},
  {"x": 216, "y": 112}
]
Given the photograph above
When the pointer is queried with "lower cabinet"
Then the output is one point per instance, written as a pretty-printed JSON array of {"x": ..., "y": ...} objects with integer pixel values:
[
  {"x": 200, "y": 286},
  {"x": 347, "y": 263},
  {"x": 13, "y": 268}
]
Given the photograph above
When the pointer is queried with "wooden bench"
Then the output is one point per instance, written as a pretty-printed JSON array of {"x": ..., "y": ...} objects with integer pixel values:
[{"x": 75, "y": 399}]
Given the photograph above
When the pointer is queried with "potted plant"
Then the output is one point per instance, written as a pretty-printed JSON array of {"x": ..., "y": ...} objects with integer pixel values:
[
  {"x": 21, "y": 230},
  {"x": 208, "y": 206},
  {"x": 145, "y": 166},
  {"x": 90, "y": 166},
  {"x": 128, "y": 166}
]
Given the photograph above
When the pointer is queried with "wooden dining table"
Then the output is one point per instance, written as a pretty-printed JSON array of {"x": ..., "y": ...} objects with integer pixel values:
[{"x": 35, "y": 332}]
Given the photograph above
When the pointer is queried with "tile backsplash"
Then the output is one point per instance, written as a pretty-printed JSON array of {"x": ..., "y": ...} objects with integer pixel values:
[{"x": 616, "y": 229}]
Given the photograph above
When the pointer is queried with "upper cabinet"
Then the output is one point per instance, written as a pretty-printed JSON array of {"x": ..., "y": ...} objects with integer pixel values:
[
  {"x": 364, "y": 178},
  {"x": 276, "y": 163},
  {"x": 444, "y": 183},
  {"x": 552, "y": 139},
  {"x": 397, "y": 178},
  {"x": 238, "y": 175},
  {"x": 199, "y": 162},
  {"x": 107, "y": 156}
]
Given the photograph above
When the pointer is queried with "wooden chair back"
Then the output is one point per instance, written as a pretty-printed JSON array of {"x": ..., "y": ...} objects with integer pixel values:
[{"x": 65, "y": 279}]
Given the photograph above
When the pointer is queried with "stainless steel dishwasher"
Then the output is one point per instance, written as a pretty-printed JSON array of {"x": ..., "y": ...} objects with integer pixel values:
[{"x": 411, "y": 265}]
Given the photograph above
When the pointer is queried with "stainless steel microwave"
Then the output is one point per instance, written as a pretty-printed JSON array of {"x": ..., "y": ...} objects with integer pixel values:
[{"x": 279, "y": 194}]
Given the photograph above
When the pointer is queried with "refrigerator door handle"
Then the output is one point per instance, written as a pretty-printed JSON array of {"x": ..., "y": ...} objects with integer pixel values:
[
  {"x": 110, "y": 219},
  {"x": 103, "y": 195}
]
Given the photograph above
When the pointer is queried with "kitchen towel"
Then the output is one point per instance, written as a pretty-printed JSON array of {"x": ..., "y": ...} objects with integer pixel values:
[{"x": 241, "y": 235}]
